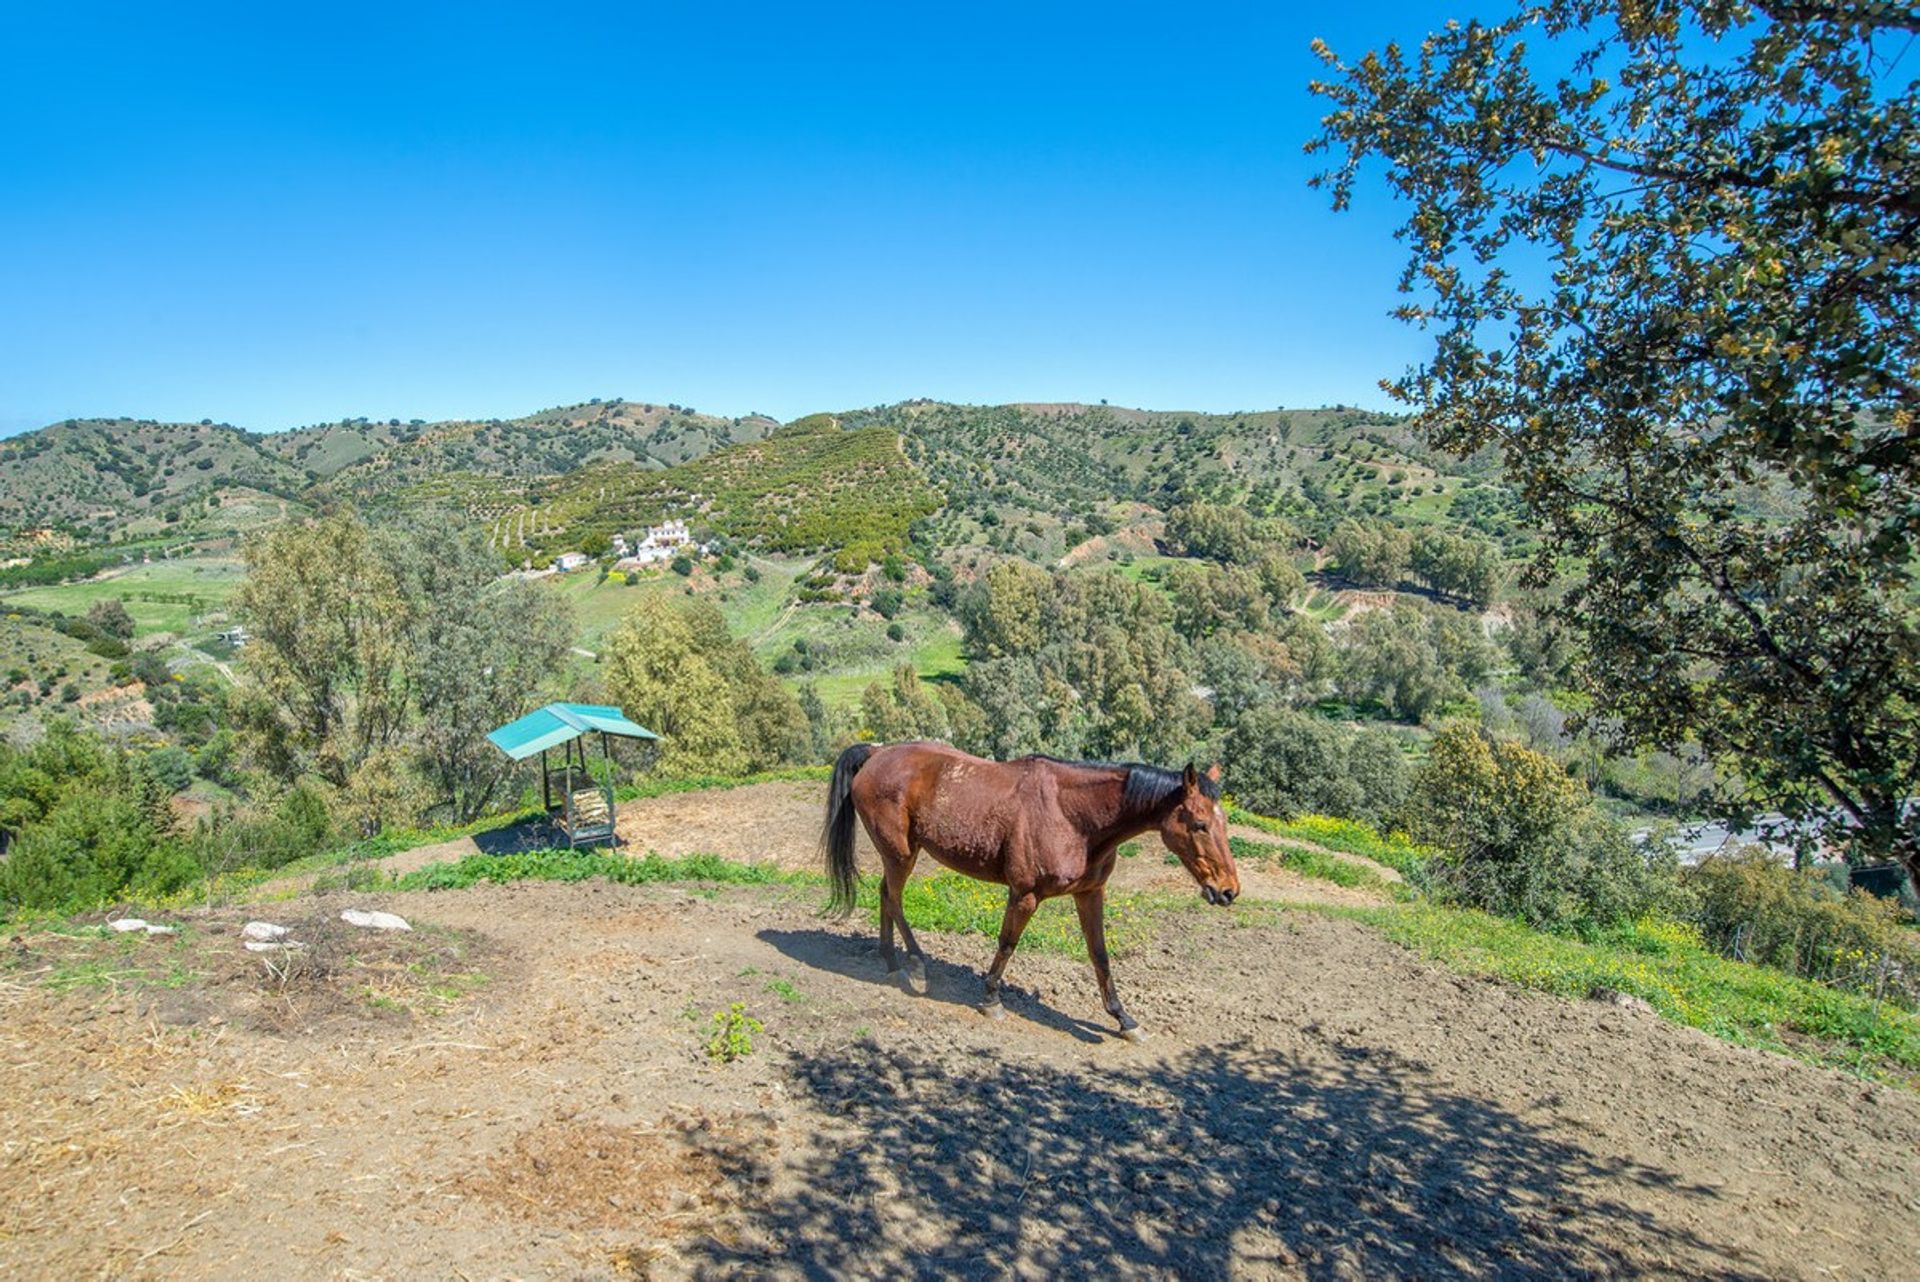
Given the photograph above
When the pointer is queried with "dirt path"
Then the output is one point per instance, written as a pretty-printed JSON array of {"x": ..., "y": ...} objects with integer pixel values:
[
  {"x": 1315, "y": 1102},
  {"x": 779, "y": 823}
]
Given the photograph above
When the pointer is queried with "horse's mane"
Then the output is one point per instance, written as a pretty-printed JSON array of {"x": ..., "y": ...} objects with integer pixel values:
[{"x": 1147, "y": 787}]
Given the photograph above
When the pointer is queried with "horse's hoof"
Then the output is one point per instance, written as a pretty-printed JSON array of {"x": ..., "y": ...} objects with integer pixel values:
[
  {"x": 1134, "y": 1034},
  {"x": 993, "y": 1010},
  {"x": 914, "y": 978}
]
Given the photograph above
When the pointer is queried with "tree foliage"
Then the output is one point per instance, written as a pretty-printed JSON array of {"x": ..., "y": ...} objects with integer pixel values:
[
  {"x": 380, "y": 658},
  {"x": 675, "y": 669},
  {"x": 1670, "y": 255}
]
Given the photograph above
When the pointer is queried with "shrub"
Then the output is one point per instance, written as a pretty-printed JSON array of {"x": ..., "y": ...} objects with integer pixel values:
[
  {"x": 1520, "y": 838},
  {"x": 1283, "y": 762},
  {"x": 1751, "y": 907}
]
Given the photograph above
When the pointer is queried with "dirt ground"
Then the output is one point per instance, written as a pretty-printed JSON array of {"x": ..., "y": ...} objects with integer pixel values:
[{"x": 521, "y": 1088}]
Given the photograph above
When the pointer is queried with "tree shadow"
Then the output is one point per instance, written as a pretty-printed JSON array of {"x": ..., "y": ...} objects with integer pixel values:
[
  {"x": 514, "y": 838},
  {"x": 858, "y": 958},
  {"x": 1225, "y": 1161},
  {"x": 540, "y": 833}
]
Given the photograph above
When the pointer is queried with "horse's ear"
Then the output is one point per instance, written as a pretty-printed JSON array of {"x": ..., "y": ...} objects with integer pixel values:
[
  {"x": 1213, "y": 772},
  {"x": 1192, "y": 780}
]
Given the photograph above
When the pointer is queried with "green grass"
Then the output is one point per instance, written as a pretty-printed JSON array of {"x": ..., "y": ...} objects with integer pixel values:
[
  {"x": 962, "y": 906},
  {"x": 213, "y": 579},
  {"x": 1317, "y": 864},
  {"x": 1666, "y": 966},
  {"x": 749, "y": 608},
  {"x": 580, "y": 865},
  {"x": 856, "y": 651},
  {"x": 1349, "y": 836},
  {"x": 943, "y": 902}
]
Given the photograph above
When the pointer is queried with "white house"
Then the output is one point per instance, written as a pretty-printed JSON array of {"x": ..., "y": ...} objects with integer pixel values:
[
  {"x": 662, "y": 543},
  {"x": 568, "y": 562}
]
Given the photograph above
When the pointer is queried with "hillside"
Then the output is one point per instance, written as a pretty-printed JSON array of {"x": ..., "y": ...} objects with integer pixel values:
[
  {"x": 531, "y": 1077},
  {"x": 550, "y": 443},
  {"x": 115, "y": 479},
  {"x": 120, "y": 477},
  {"x": 807, "y": 487}
]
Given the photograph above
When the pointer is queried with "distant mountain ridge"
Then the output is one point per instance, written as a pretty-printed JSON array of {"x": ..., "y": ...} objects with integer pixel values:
[
  {"x": 1026, "y": 477},
  {"x": 114, "y": 477}
]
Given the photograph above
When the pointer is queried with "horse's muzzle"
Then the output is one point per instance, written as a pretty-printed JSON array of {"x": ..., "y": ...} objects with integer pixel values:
[{"x": 1219, "y": 898}]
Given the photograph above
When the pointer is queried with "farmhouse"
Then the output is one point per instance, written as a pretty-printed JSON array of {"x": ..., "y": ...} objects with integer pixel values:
[
  {"x": 660, "y": 544},
  {"x": 568, "y": 562}
]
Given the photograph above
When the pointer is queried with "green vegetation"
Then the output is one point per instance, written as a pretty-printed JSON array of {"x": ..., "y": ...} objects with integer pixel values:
[
  {"x": 732, "y": 1037},
  {"x": 1667, "y": 966},
  {"x": 1393, "y": 850},
  {"x": 162, "y": 596},
  {"x": 381, "y": 657},
  {"x": 1310, "y": 863},
  {"x": 1666, "y": 263},
  {"x": 676, "y": 668},
  {"x": 580, "y": 865}
]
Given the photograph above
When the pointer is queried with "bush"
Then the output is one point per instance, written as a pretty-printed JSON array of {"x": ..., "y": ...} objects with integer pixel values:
[
  {"x": 1520, "y": 838},
  {"x": 1749, "y": 906},
  {"x": 1282, "y": 762}
]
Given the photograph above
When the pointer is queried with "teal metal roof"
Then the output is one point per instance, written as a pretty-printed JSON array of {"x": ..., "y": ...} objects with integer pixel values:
[{"x": 559, "y": 723}]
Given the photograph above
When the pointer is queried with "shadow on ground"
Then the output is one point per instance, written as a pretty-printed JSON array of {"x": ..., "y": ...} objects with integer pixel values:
[
  {"x": 953, "y": 985},
  {"x": 1226, "y": 1161}
]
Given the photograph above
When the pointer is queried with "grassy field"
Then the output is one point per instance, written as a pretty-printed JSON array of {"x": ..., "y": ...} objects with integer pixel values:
[
  {"x": 854, "y": 650},
  {"x": 212, "y": 579},
  {"x": 749, "y": 608}
]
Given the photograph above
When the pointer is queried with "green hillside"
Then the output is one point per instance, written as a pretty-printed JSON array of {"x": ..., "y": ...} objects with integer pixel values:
[
  {"x": 809, "y": 487},
  {"x": 550, "y": 443},
  {"x": 118, "y": 477}
]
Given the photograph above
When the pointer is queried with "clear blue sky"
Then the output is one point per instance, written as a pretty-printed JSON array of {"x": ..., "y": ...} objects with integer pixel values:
[{"x": 275, "y": 215}]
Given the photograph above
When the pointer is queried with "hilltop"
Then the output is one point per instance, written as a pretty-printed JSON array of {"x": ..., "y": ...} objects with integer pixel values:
[{"x": 115, "y": 479}]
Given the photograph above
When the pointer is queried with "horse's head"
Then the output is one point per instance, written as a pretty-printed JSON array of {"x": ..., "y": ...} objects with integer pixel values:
[{"x": 1196, "y": 831}]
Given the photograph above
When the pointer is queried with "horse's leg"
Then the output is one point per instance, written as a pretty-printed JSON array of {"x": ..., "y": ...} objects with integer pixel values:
[
  {"x": 913, "y": 975},
  {"x": 896, "y": 860},
  {"x": 1093, "y": 924},
  {"x": 1020, "y": 906}
]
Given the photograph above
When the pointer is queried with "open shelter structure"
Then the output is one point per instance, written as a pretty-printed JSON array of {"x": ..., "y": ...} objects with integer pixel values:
[{"x": 585, "y": 809}]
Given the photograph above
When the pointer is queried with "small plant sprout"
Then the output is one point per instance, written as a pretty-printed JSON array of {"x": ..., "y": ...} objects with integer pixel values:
[{"x": 733, "y": 1031}]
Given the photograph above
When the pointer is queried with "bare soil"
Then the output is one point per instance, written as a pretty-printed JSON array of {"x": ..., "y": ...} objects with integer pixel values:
[{"x": 521, "y": 1088}]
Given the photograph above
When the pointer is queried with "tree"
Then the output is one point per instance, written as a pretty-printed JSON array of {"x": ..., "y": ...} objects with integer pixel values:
[
  {"x": 1213, "y": 531},
  {"x": 324, "y": 681},
  {"x": 380, "y": 658},
  {"x": 676, "y": 670},
  {"x": 1209, "y": 598},
  {"x": 657, "y": 673},
  {"x": 1518, "y": 836},
  {"x": 1283, "y": 762},
  {"x": 1669, "y": 254},
  {"x": 1372, "y": 554},
  {"x": 484, "y": 649},
  {"x": 111, "y": 618}
]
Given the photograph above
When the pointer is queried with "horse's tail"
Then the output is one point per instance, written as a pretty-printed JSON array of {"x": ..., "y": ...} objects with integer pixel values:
[{"x": 836, "y": 838}]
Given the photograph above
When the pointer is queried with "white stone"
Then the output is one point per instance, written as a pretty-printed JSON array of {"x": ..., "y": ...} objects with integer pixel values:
[
  {"x": 263, "y": 946},
  {"x": 127, "y": 924},
  {"x": 373, "y": 920},
  {"x": 263, "y": 931}
]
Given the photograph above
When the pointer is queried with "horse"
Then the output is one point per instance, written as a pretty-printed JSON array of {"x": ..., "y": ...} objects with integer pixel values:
[{"x": 1039, "y": 826}]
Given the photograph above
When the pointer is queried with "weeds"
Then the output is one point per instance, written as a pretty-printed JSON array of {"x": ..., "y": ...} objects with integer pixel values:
[
  {"x": 1350, "y": 836},
  {"x": 732, "y": 1037},
  {"x": 1317, "y": 864}
]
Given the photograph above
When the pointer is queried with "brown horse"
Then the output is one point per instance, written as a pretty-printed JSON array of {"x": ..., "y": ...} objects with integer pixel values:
[{"x": 1038, "y": 826}]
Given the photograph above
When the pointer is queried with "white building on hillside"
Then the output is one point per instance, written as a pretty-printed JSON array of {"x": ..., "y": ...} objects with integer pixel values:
[{"x": 662, "y": 543}]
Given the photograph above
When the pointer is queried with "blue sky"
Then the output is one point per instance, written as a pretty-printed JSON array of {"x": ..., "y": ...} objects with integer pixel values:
[{"x": 275, "y": 215}]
